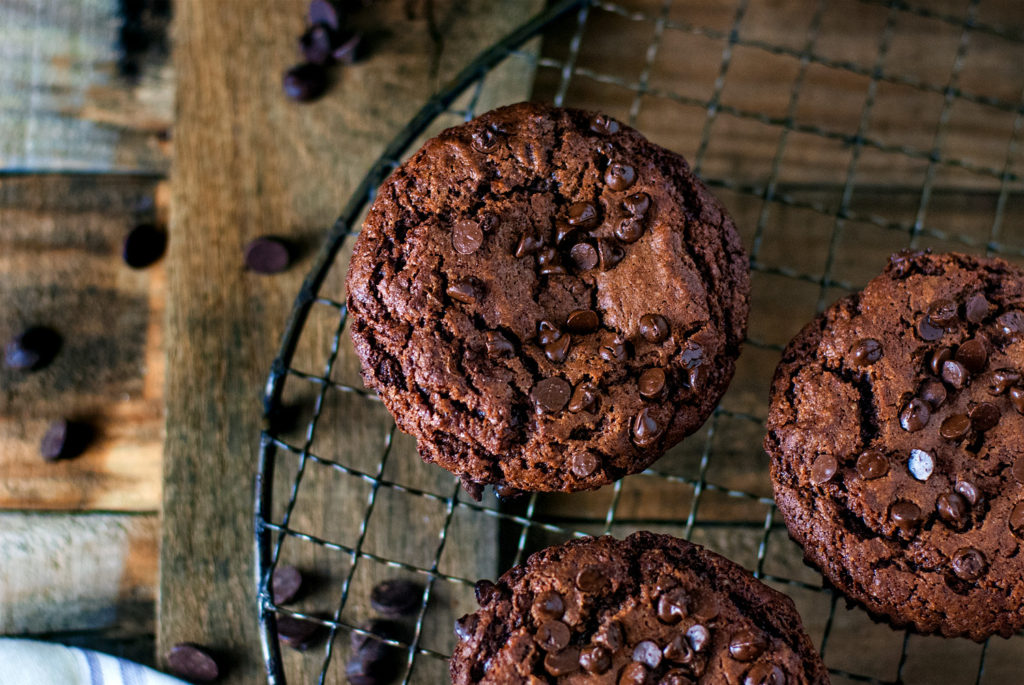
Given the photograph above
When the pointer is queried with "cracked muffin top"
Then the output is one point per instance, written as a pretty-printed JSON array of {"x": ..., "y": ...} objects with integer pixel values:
[
  {"x": 650, "y": 609},
  {"x": 895, "y": 438},
  {"x": 546, "y": 300}
]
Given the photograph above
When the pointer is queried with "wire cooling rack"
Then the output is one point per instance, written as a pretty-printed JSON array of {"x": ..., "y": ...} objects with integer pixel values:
[{"x": 836, "y": 132}]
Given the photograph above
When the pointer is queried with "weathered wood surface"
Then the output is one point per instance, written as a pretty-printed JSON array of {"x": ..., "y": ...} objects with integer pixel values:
[{"x": 248, "y": 162}]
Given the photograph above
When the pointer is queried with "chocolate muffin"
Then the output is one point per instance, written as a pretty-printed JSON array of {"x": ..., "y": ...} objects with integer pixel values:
[
  {"x": 895, "y": 441},
  {"x": 648, "y": 609},
  {"x": 546, "y": 300}
]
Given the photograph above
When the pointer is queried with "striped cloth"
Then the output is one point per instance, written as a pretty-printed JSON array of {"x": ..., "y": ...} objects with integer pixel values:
[{"x": 27, "y": 662}]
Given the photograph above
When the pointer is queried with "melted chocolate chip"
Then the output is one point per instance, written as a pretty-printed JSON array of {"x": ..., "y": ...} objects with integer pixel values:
[
  {"x": 646, "y": 430},
  {"x": 823, "y": 468},
  {"x": 550, "y": 395},
  {"x": 549, "y": 262},
  {"x": 547, "y": 333},
  {"x": 905, "y": 514},
  {"x": 654, "y": 328},
  {"x": 969, "y": 491},
  {"x": 484, "y": 140},
  {"x": 467, "y": 237},
  {"x": 679, "y": 650},
  {"x": 583, "y": 464},
  {"x": 633, "y": 674},
  {"x": 973, "y": 355},
  {"x": 985, "y": 417},
  {"x": 553, "y": 636},
  {"x": 498, "y": 345},
  {"x": 699, "y": 637},
  {"x": 637, "y": 204},
  {"x": 528, "y": 244},
  {"x": 1003, "y": 380},
  {"x": 927, "y": 331},
  {"x": 583, "y": 215},
  {"x": 582, "y": 321},
  {"x": 630, "y": 230},
  {"x": 676, "y": 677},
  {"x": 692, "y": 355},
  {"x": 915, "y": 416},
  {"x": 1011, "y": 324},
  {"x": 955, "y": 374},
  {"x": 942, "y": 313},
  {"x": 584, "y": 256},
  {"x": 610, "y": 636},
  {"x": 563, "y": 662},
  {"x": 1017, "y": 399},
  {"x": 872, "y": 464},
  {"x": 866, "y": 352},
  {"x": 465, "y": 626},
  {"x": 747, "y": 645},
  {"x": 648, "y": 653},
  {"x": 613, "y": 348},
  {"x": 563, "y": 230},
  {"x": 953, "y": 508},
  {"x": 584, "y": 398},
  {"x": 976, "y": 308},
  {"x": 609, "y": 254},
  {"x": 1016, "y": 520},
  {"x": 938, "y": 359},
  {"x": 548, "y": 604},
  {"x": 595, "y": 659},
  {"x": 619, "y": 176},
  {"x": 487, "y": 592},
  {"x": 558, "y": 350},
  {"x": 467, "y": 290},
  {"x": 969, "y": 563},
  {"x": 765, "y": 674},
  {"x": 955, "y": 427},
  {"x": 653, "y": 384},
  {"x": 592, "y": 579},
  {"x": 672, "y": 605},
  {"x": 934, "y": 393},
  {"x": 603, "y": 124}
]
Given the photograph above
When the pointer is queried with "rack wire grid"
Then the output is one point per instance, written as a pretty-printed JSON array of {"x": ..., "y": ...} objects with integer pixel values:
[{"x": 836, "y": 132}]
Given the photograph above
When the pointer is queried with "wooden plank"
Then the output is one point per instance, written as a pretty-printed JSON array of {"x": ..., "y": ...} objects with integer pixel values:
[
  {"x": 87, "y": 572},
  {"x": 60, "y": 266},
  {"x": 71, "y": 98},
  {"x": 248, "y": 162}
]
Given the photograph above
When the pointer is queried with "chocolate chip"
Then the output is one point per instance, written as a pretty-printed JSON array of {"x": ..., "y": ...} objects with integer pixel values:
[
  {"x": 396, "y": 597},
  {"x": 973, "y": 355},
  {"x": 699, "y": 637},
  {"x": 633, "y": 674},
  {"x": 348, "y": 50},
  {"x": 1017, "y": 399},
  {"x": 985, "y": 417},
  {"x": 613, "y": 348},
  {"x": 1016, "y": 520},
  {"x": 528, "y": 244},
  {"x": 637, "y": 204},
  {"x": 942, "y": 313},
  {"x": 653, "y": 384},
  {"x": 692, "y": 355},
  {"x": 371, "y": 660},
  {"x": 551, "y": 394},
  {"x": 603, "y": 124},
  {"x": 143, "y": 246},
  {"x": 192, "y": 662},
  {"x": 563, "y": 230},
  {"x": 921, "y": 465},
  {"x": 866, "y": 352},
  {"x": 582, "y": 321},
  {"x": 547, "y": 333},
  {"x": 299, "y": 633},
  {"x": 765, "y": 674},
  {"x": 915, "y": 416},
  {"x": 467, "y": 237},
  {"x": 548, "y": 604},
  {"x": 465, "y": 626},
  {"x": 487, "y": 592},
  {"x": 610, "y": 636},
  {"x": 285, "y": 584},
  {"x": 619, "y": 176},
  {"x": 976, "y": 308},
  {"x": 583, "y": 464},
  {"x": 630, "y": 230},
  {"x": 553, "y": 636},
  {"x": 968, "y": 491},
  {"x": 583, "y": 215},
  {"x": 549, "y": 262},
  {"x": 1018, "y": 469},
  {"x": 939, "y": 358},
  {"x": 267, "y": 255},
  {"x": 679, "y": 650},
  {"x": 747, "y": 645},
  {"x": 558, "y": 350},
  {"x": 609, "y": 253},
  {"x": 927, "y": 331},
  {"x": 654, "y": 328},
  {"x": 32, "y": 349},
  {"x": 955, "y": 374},
  {"x": 563, "y": 662},
  {"x": 304, "y": 82},
  {"x": 484, "y": 140},
  {"x": 676, "y": 677},
  {"x": 467, "y": 290},
  {"x": 498, "y": 345},
  {"x": 1003, "y": 380},
  {"x": 595, "y": 660},
  {"x": 323, "y": 12},
  {"x": 969, "y": 563},
  {"x": 592, "y": 579},
  {"x": 905, "y": 514},
  {"x": 934, "y": 393},
  {"x": 952, "y": 508},
  {"x": 584, "y": 398},
  {"x": 648, "y": 653},
  {"x": 646, "y": 430},
  {"x": 672, "y": 605},
  {"x": 955, "y": 427},
  {"x": 584, "y": 256},
  {"x": 317, "y": 44},
  {"x": 65, "y": 439},
  {"x": 1011, "y": 324},
  {"x": 823, "y": 468},
  {"x": 872, "y": 464}
]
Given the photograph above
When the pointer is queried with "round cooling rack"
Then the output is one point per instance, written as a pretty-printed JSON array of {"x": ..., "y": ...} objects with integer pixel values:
[{"x": 835, "y": 131}]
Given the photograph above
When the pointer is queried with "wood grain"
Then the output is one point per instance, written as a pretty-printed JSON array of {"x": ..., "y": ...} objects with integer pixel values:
[{"x": 248, "y": 162}]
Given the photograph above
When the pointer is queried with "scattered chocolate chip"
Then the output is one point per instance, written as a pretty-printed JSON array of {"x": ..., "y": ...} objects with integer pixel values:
[
  {"x": 304, "y": 82},
  {"x": 467, "y": 237},
  {"x": 915, "y": 416},
  {"x": 323, "y": 12},
  {"x": 592, "y": 579},
  {"x": 143, "y": 246},
  {"x": 595, "y": 659},
  {"x": 678, "y": 650},
  {"x": 934, "y": 393},
  {"x": 299, "y": 633},
  {"x": 823, "y": 468},
  {"x": 551, "y": 394},
  {"x": 1003, "y": 380},
  {"x": 905, "y": 514},
  {"x": 466, "y": 290},
  {"x": 528, "y": 244},
  {"x": 973, "y": 355},
  {"x": 968, "y": 563},
  {"x": 955, "y": 427},
  {"x": 348, "y": 50},
  {"x": 32, "y": 349},
  {"x": 648, "y": 653},
  {"x": 582, "y": 321},
  {"x": 872, "y": 464},
  {"x": 927, "y": 331},
  {"x": 192, "y": 662},
  {"x": 584, "y": 256},
  {"x": 866, "y": 352},
  {"x": 558, "y": 350},
  {"x": 985, "y": 417},
  {"x": 1016, "y": 520},
  {"x": 584, "y": 398},
  {"x": 396, "y": 597},
  {"x": 673, "y": 605},
  {"x": 953, "y": 508},
  {"x": 285, "y": 584},
  {"x": 547, "y": 333},
  {"x": 619, "y": 176},
  {"x": 610, "y": 636},
  {"x": 976, "y": 308},
  {"x": 653, "y": 384},
  {"x": 317, "y": 44},
  {"x": 921, "y": 465},
  {"x": 65, "y": 439},
  {"x": 549, "y": 262},
  {"x": 1011, "y": 324},
  {"x": 583, "y": 215},
  {"x": 646, "y": 430},
  {"x": 939, "y": 358},
  {"x": 699, "y": 637},
  {"x": 1017, "y": 399},
  {"x": 465, "y": 626},
  {"x": 653, "y": 328},
  {"x": 942, "y": 313},
  {"x": 583, "y": 464},
  {"x": 765, "y": 674},
  {"x": 371, "y": 660},
  {"x": 955, "y": 374},
  {"x": 553, "y": 636},
  {"x": 484, "y": 140},
  {"x": 613, "y": 348},
  {"x": 267, "y": 255},
  {"x": 637, "y": 204},
  {"x": 498, "y": 345},
  {"x": 548, "y": 604},
  {"x": 633, "y": 674},
  {"x": 609, "y": 253},
  {"x": 487, "y": 592},
  {"x": 630, "y": 230},
  {"x": 563, "y": 662},
  {"x": 746, "y": 645},
  {"x": 603, "y": 124},
  {"x": 968, "y": 491}
]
